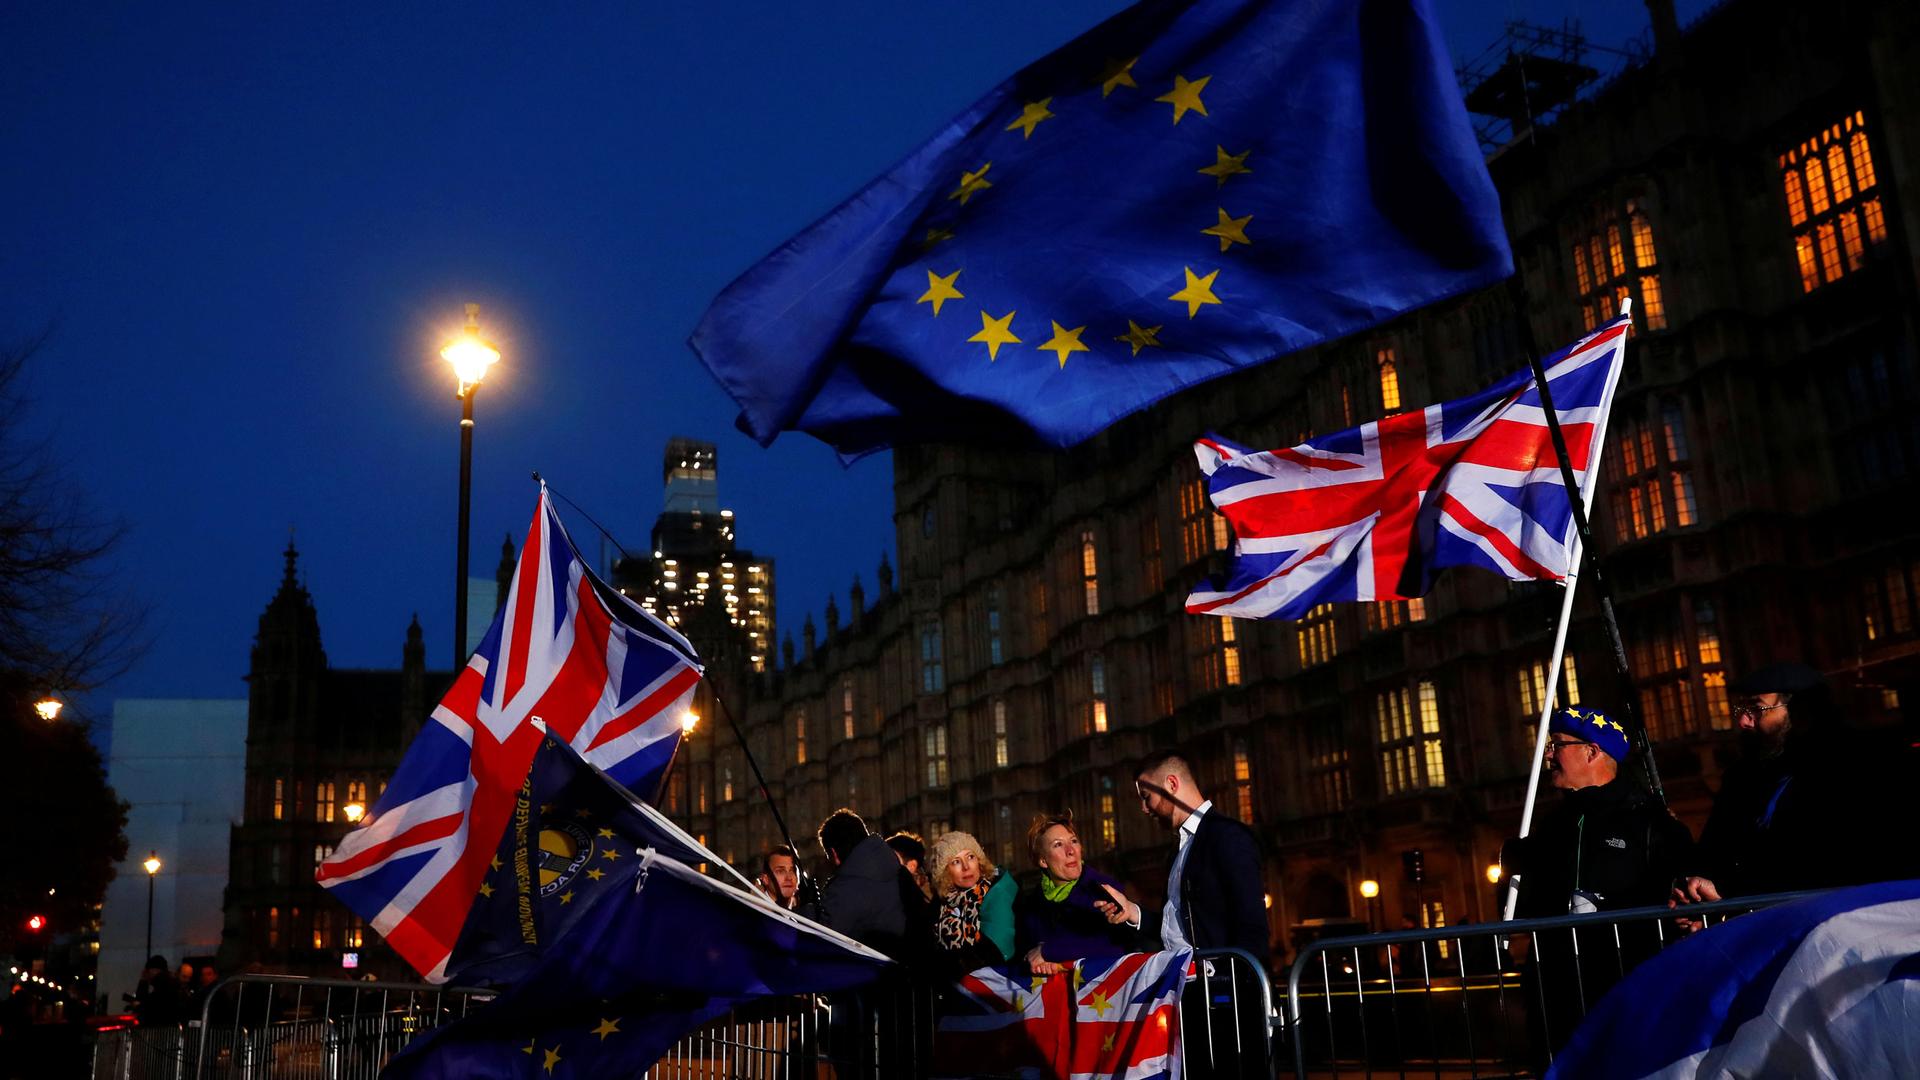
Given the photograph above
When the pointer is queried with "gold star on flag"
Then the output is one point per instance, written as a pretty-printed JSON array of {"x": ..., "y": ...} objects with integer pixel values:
[
  {"x": 1038, "y": 982},
  {"x": 939, "y": 291},
  {"x": 1019, "y": 1002},
  {"x": 1230, "y": 230},
  {"x": 1106, "y": 1047},
  {"x": 567, "y": 897},
  {"x": 494, "y": 863},
  {"x": 1100, "y": 1004},
  {"x": 546, "y": 808},
  {"x": 971, "y": 184},
  {"x": 1185, "y": 96},
  {"x": 528, "y": 1049},
  {"x": 596, "y": 874},
  {"x": 486, "y": 890},
  {"x": 613, "y": 856},
  {"x": 1199, "y": 291},
  {"x": 1116, "y": 74},
  {"x": 1079, "y": 976},
  {"x": 995, "y": 333},
  {"x": 1225, "y": 165},
  {"x": 1065, "y": 341},
  {"x": 607, "y": 1027},
  {"x": 1140, "y": 337},
  {"x": 553, "y": 1058},
  {"x": 1030, "y": 117},
  {"x": 606, "y": 834},
  {"x": 934, "y": 236}
]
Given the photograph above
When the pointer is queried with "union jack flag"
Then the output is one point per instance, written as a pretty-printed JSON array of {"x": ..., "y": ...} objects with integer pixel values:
[
  {"x": 1374, "y": 512},
  {"x": 565, "y": 656},
  {"x": 1117, "y": 1017}
]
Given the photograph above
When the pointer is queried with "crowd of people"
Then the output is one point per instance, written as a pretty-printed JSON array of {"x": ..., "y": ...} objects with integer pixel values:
[{"x": 164, "y": 997}]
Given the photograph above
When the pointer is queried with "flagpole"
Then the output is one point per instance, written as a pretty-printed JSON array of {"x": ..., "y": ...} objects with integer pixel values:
[
  {"x": 1583, "y": 504},
  {"x": 1629, "y": 706}
]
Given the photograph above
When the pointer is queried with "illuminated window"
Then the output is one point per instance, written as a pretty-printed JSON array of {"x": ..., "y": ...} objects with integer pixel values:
[
  {"x": 936, "y": 744},
  {"x": 1090, "y": 573},
  {"x": 994, "y": 651},
  {"x": 323, "y": 801},
  {"x": 1412, "y": 751},
  {"x": 273, "y": 928},
  {"x": 1243, "y": 782},
  {"x": 1202, "y": 529},
  {"x": 726, "y": 784},
  {"x": 321, "y": 853},
  {"x": 1833, "y": 202},
  {"x": 356, "y": 936},
  {"x": 1389, "y": 379},
  {"x": 1653, "y": 488},
  {"x": 1109, "y": 815},
  {"x": 800, "y": 737},
  {"x": 1387, "y": 614},
  {"x": 1001, "y": 754},
  {"x": 322, "y": 929},
  {"x": 1719, "y": 713},
  {"x": 1605, "y": 275},
  {"x": 846, "y": 706},
  {"x": 1433, "y": 916},
  {"x": 1317, "y": 641},
  {"x": 279, "y": 799},
  {"x": 1706, "y": 629}
]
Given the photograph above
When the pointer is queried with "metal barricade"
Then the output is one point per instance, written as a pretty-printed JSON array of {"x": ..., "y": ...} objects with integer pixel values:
[{"x": 1491, "y": 999}]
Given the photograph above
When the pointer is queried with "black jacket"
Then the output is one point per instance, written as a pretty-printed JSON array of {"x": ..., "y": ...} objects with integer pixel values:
[
  {"x": 873, "y": 900},
  {"x": 1614, "y": 843},
  {"x": 1221, "y": 901}
]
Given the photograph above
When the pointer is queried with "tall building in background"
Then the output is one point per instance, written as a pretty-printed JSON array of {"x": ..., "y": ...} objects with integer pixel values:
[
  {"x": 1749, "y": 184},
  {"x": 180, "y": 765}
]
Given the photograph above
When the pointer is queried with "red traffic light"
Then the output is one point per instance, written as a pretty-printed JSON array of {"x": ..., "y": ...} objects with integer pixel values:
[{"x": 36, "y": 923}]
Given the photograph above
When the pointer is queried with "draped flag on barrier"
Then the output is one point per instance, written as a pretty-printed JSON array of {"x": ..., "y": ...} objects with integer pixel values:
[
  {"x": 564, "y": 649},
  {"x": 642, "y": 954},
  {"x": 1190, "y": 188},
  {"x": 1115, "y": 1018},
  {"x": 1827, "y": 986},
  {"x": 1375, "y": 512}
]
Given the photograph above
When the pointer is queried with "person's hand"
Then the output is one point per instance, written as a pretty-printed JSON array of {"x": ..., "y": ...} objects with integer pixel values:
[
  {"x": 1692, "y": 890},
  {"x": 1118, "y": 909},
  {"x": 1040, "y": 965}
]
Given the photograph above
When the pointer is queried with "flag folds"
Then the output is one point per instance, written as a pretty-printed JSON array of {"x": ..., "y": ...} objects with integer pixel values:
[
  {"x": 1116, "y": 1017},
  {"x": 591, "y": 667},
  {"x": 1192, "y": 187},
  {"x": 634, "y": 948},
  {"x": 1827, "y": 986},
  {"x": 1374, "y": 512}
]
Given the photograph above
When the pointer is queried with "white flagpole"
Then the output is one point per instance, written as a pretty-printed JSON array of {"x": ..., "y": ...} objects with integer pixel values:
[{"x": 1574, "y": 553}]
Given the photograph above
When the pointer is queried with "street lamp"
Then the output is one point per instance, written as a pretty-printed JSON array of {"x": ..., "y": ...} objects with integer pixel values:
[
  {"x": 470, "y": 356},
  {"x": 48, "y": 708},
  {"x": 152, "y": 865},
  {"x": 688, "y": 721},
  {"x": 1369, "y": 890},
  {"x": 353, "y": 812},
  {"x": 1494, "y": 873}
]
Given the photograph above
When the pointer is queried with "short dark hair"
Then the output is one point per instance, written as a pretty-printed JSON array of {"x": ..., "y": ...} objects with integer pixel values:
[
  {"x": 1037, "y": 832},
  {"x": 1159, "y": 760},
  {"x": 766, "y": 858},
  {"x": 841, "y": 833},
  {"x": 908, "y": 845}
]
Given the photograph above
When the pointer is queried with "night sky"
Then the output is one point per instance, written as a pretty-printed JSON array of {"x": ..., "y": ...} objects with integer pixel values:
[{"x": 250, "y": 234}]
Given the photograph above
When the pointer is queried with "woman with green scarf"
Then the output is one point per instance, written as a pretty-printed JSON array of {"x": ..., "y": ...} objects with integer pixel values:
[{"x": 1056, "y": 923}]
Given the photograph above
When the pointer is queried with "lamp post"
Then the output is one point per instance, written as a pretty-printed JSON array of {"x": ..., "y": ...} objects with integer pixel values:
[
  {"x": 48, "y": 708},
  {"x": 470, "y": 356},
  {"x": 152, "y": 866},
  {"x": 1370, "y": 890}
]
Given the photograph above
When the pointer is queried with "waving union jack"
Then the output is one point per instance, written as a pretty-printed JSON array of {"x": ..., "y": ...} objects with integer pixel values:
[
  {"x": 564, "y": 649},
  {"x": 1373, "y": 512}
]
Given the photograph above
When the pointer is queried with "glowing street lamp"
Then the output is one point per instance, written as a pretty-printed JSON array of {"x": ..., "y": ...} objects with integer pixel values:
[
  {"x": 48, "y": 708},
  {"x": 688, "y": 721},
  {"x": 470, "y": 356},
  {"x": 152, "y": 866},
  {"x": 1494, "y": 873},
  {"x": 1370, "y": 891},
  {"x": 353, "y": 812}
]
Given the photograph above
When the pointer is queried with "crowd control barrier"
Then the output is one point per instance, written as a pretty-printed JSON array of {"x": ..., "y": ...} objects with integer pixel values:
[{"x": 1488, "y": 999}]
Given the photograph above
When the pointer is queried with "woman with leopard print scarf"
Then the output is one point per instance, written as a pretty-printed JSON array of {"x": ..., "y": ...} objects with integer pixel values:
[{"x": 975, "y": 927}]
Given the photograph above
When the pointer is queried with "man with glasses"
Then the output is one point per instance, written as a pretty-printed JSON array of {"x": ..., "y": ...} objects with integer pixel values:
[
  {"x": 1607, "y": 844},
  {"x": 1808, "y": 805}
]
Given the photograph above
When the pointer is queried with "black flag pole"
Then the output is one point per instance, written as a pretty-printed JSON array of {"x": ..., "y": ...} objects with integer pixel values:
[
  {"x": 1589, "y": 552},
  {"x": 719, "y": 701}
]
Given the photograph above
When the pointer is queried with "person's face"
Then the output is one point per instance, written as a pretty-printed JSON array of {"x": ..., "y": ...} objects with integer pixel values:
[
  {"x": 964, "y": 870},
  {"x": 1764, "y": 721},
  {"x": 1060, "y": 853},
  {"x": 208, "y": 976},
  {"x": 786, "y": 877},
  {"x": 1572, "y": 763},
  {"x": 186, "y": 973},
  {"x": 1154, "y": 792}
]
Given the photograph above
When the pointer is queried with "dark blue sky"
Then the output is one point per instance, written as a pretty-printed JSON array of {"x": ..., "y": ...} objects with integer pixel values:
[{"x": 251, "y": 232}]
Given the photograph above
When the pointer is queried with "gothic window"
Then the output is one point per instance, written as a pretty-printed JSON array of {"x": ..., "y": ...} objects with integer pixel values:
[
  {"x": 936, "y": 747},
  {"x": 1652, "y": 486},
  {"x": 994, "y": 651},
  {"x": 323, "y": 801},
  {"x": 1412, "y": 753},
  {"x": 1001, "y": 754},
  {"x": 1317, "y": 639},
  {"x": 1833, "y": 202},
  {"x": 1387, "y": 614},
  {"x": 1090, "y": 573},
  {"x": 800, "y": 737},
  {"x": 1614, "y": 259},
  {"x": 933, "y": 677},
  {"x": 1389, "y": 379},
  {"x": 279, "y": 799},
  {"x": 846, "y": 706},
  {"x": 1202, "y": 528},
  {"x": 1328, "y": 783},
  {"x": 1097, "y": 691},
  {"x": 1109, "y": 815},
  {"x": 1243, "y": 782}
]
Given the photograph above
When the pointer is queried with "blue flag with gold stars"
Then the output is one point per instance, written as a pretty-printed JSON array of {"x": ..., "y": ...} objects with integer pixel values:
[
  {"x": 612, "y": 958},
  {"x": 1191, "y": 188}
]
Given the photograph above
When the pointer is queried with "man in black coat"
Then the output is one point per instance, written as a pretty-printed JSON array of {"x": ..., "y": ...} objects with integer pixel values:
[
  {"x": 871, "y": 899},
  {"x": 1810, "y": 804},
  {"x": 1214, "y": 897}
]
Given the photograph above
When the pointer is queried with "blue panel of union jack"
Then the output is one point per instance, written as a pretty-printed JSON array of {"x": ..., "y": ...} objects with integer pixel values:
[
  {"x": 605, "y": 677},
  {"x": 1374, "y": 512}
]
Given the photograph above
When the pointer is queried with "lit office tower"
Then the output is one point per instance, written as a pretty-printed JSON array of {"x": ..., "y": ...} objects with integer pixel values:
[{"x": 697, "y": 579}]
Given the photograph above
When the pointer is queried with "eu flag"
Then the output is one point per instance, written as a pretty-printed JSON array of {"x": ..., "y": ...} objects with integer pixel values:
[{"x": 1188, "y": 189}]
